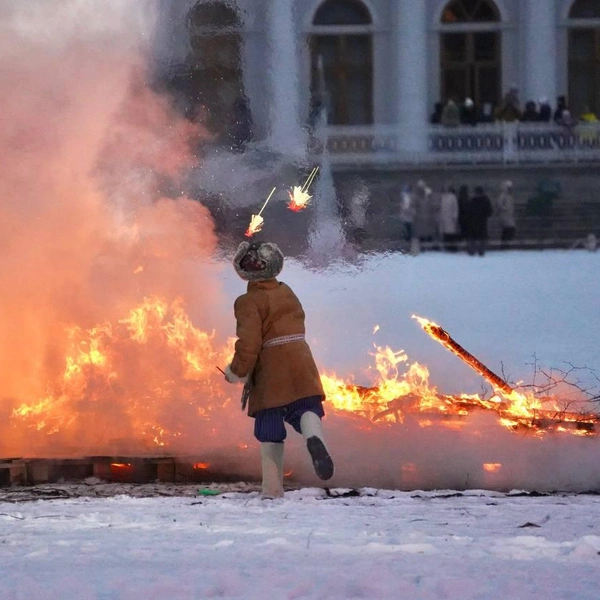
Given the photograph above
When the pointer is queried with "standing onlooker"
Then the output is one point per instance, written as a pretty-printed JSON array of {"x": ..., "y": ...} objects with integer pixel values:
[
  {"x": 545, "y": 111},
  {"x": 463, "y": 206},
  {"x": 478, "y": 212},
  {"x": 448, "y": 218},
  {"x": 436, "y": 116},
  {"x": 509, "y": 109},
  {"x": 505, "y": 207},
  {"x": 468, "y": 113},
  {"x": 487, "y": 113},
  {"x": 425, "y": 217},
  {"x": 451, "y": 114},
  {"x": 588, "y": 116},
  {"x": 531, "y": 114},
  {"x": 407, "y": 213},
  {"x": 587, "y": 128},
  {"x": 567, "y": 119},
  {"x": 357, "y": 213},
  {"x": 561, "y": 106}
]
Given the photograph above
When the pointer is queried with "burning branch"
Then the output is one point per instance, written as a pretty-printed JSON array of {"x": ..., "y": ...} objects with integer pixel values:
[
  {"x": 299, "y": 196},
  {"x": 256, "y": 222},
  {"x": 443, "y": 337}
]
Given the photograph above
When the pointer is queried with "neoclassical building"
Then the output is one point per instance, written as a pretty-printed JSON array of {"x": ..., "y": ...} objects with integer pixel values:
[{"x": 376, "y": 66}]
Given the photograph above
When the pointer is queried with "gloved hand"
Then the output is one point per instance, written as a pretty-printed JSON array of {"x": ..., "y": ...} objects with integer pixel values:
[{"x": 231, "y": 377}]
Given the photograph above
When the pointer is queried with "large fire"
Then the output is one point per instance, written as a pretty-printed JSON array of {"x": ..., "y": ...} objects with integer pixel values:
[
  {"x": 113, "y": 320},
  {"x": 153, "y": 362}
]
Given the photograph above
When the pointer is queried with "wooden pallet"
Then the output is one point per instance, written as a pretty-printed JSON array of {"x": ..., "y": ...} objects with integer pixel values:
[{"x": 118, "y": 469}]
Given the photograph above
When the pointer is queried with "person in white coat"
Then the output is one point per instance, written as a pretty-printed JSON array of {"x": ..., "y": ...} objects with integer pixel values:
[
  {"x": 448, "y": 219},
  {"x": 505, "y": 207},
  {"x": 407, "y": 213},
  {"x": 425, "y": 216}
]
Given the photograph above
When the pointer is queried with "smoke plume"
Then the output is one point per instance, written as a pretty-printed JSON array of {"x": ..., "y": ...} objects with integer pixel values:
[{"x": 90, "y": 227}]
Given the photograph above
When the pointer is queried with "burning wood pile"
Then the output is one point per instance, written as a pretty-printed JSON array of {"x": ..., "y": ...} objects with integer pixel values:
[
  {"x": 136, "y": 422},
  {"x": 515, "y": 410},
  {"x": 106, "y": 392}
]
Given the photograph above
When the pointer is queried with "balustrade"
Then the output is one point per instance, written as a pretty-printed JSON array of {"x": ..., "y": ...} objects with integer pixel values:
[{"x": 484, "y": 143}]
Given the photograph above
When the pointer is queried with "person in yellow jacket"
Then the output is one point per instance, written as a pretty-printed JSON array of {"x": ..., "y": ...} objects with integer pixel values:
[
  {"x": 588, "y": 116},
  {"x": 274, "y": 361},
  {"x": 587, "y": 127}
]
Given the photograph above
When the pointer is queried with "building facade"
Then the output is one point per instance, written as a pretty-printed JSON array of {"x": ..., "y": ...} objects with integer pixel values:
[{"x": 376, "y": 68}]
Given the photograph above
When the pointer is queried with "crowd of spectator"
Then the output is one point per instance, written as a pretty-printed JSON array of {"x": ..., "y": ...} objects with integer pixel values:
[
  {"x": 509, "y": 110},
  {"x": 451, "y": 216}
]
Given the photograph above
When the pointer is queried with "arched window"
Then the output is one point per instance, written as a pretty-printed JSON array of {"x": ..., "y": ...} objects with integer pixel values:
[
  {"x": 469, "y": 11},
  {"x": 585, "y": 9},
  {"x": 584, "y": 57},
  {"x": 213, "y": 77},
  {"x": 342, "y": 62},
  {"x": 471, "y": 55}
]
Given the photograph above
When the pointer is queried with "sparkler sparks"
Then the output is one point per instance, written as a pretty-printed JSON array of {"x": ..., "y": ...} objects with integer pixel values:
[
  {"x": 299, "y": 196},
  {"x": 257, "y": 222}
]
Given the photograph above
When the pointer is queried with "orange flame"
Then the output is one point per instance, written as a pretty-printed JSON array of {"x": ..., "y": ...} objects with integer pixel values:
[
  {"x": 155, "y": 355},
  {"x": 492, "y": 467},
  {"x": 395, "y": 396}
]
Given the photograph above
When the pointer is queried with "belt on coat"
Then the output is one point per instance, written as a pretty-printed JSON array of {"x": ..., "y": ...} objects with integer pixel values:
[{"x": 284, "y": 339}]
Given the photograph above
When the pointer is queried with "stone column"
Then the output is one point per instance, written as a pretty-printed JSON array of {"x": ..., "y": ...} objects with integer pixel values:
[
  {"x": 411, "y": 97},
  {"x": 539, "y": 66},
  {"x": 285, "y": 134}
]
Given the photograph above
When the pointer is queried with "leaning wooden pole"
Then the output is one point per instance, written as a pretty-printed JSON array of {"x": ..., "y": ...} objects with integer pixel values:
[{"x": 443, "y": 337}]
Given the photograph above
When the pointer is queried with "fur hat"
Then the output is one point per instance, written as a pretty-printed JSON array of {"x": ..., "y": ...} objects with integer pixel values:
[{"x": 258, "y": 261}]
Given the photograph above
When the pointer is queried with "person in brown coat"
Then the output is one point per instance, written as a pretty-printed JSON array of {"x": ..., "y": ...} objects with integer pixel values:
[{"x": 276, "y": 365}]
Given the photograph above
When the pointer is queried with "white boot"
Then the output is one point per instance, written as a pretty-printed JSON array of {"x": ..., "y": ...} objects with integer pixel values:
[
  {"x": 272, "y": 469},
  {"x": 312, "y": 430}
]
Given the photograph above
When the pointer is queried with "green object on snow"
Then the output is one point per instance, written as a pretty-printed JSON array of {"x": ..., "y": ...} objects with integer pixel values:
[{"x": 208, "y": 492}]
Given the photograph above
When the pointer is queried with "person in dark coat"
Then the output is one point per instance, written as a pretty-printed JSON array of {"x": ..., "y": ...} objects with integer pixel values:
[
  {"x": 463, "y": 204},
  {"x": 436, "y": 116},
  {"x": 468, "y": 113},
  {"x": 479, "y": 210},
  {"x": 561, "y": 107},
  {"x": 545, "y": 111},
  {"x": 487, "y": 113},
  {"x": 274, "y": 361},
  {"x": 531, "y": 114}
]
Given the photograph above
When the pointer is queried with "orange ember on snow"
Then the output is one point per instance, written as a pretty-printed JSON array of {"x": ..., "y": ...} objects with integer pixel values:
[{"x": 492, "y": 467}]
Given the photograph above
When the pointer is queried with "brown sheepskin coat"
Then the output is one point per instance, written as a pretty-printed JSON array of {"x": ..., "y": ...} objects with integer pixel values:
[{"x": 279, "y": 374}]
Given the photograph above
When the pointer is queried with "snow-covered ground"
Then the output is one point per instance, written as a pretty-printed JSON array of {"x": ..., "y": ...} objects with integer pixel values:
[
  {"x": 380, "y": 544},
  {"x": 363, "y": 542}
]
